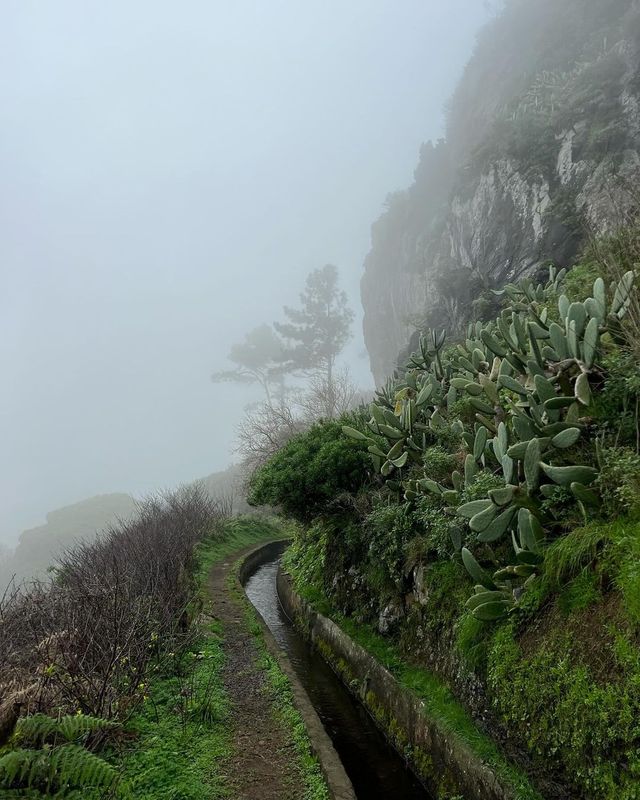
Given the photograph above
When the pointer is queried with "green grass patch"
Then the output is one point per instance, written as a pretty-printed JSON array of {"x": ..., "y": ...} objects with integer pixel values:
[
  {"x": 238, "y": 533},
  {"x": 181, "y": 732}
]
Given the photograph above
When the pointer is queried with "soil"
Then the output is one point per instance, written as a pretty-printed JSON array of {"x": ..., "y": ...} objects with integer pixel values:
[{"x": 264, "y": 761}]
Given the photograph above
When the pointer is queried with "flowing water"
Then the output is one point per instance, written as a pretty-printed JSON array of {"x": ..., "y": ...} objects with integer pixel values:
[{"x": 376, "y": 771}]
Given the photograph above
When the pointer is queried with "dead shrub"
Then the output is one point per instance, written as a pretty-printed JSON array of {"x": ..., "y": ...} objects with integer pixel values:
[{"x": 88, "y": 639}]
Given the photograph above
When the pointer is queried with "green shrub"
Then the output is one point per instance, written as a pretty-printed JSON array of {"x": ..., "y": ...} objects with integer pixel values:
[
  {"x": 435, "y": 526},
  {"x": 307, "y": 553},
  {"x": 438, "y": 463},
  {"x": 306, "y": 476},
  {"x": 447, "y": 589},
  {"x": 579, "y": 280},
  {"x": 617, "y": 406},
  {"x": 389, "y": 527},
  {"x": 619, "y": 481}
]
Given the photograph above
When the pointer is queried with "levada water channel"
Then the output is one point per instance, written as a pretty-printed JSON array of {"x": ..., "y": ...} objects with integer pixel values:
[{"x": 375, "y": 769}]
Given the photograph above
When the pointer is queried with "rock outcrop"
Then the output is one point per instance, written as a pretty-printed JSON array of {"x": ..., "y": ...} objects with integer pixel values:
[{"x": 539, "y": 156}]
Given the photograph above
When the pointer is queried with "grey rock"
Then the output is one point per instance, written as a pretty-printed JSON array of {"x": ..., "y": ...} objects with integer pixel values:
[{"x": 390, "y": 616}]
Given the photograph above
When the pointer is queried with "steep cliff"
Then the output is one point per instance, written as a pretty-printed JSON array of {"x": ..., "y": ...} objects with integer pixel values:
[{"x": 542, "y": 151}]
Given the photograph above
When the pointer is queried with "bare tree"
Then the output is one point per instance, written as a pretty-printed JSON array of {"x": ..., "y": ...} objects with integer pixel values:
[
  {"x": 262, "y": 432},
  {"x": 266, "y": 428},
  {"x": 324, "y": 401}
]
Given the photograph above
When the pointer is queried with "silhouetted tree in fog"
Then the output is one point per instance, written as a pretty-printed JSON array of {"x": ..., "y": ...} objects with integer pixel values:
[
  {"x": 316, "y": 333},
  {"x": 258, "y": 359}
]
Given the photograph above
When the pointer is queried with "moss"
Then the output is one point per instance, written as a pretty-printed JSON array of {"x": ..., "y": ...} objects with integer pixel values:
[
  {"x": 398, "y": 735},
  {"x": 423, "y": 763},
  {"x": 447, "y": 784},
  {"x": 579, "y": 724},
  {"x": 325, "y": 650},
  {"x": 377, "y": 709}
]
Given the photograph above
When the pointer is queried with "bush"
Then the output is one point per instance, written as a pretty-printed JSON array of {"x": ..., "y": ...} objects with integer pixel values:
[
  {"x": 619, "y": 481},
  {"x": 617, "y": 406},
  {"x": 438, "y": 463},
  {"x": 88, "y": 640},
  {"x": 435, "y": 525},
  {"x": 306, "y": 476},
  {"x": 388, "y": 529}
]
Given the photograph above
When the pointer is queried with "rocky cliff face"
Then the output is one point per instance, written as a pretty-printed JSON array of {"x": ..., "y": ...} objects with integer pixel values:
[{"x": 532, "y": 166}]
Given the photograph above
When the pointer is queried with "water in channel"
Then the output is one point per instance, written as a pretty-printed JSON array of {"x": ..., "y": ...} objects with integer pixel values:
[{"x": 376, "y": 771}]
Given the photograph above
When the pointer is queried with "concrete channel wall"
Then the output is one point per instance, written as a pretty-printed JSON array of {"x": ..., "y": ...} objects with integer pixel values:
[
  {"x": 338, "y": 782},
  {"x": 443, "y": 761}
]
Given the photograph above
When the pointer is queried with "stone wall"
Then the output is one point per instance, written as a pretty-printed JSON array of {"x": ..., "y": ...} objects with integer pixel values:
[{"x": 444, "y": 762}]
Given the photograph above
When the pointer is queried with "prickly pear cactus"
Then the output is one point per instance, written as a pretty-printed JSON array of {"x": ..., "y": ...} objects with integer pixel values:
[{"x": 529, "y": 377}]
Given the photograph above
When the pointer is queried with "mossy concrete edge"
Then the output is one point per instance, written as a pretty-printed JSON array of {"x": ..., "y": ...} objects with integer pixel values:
[
  {"x": 338, "y": 783},
  {"x": 443, "y": 761}
]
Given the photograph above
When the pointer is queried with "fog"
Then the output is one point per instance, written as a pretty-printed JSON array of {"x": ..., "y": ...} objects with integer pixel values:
[{"x": 171, "y": 172}]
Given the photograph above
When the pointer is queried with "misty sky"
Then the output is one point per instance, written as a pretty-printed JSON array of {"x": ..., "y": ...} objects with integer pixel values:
[{"x": 170, "y": 173}]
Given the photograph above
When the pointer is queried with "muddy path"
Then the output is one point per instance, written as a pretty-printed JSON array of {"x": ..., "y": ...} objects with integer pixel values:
[{"x": 264, "y": 761}]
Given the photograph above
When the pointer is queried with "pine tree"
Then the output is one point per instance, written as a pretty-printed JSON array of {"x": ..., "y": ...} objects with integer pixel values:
[{"x": 316, "y": 333}]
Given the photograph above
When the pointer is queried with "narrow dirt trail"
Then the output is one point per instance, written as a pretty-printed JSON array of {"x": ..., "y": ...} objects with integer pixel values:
[{"x": 263, "y": 765}]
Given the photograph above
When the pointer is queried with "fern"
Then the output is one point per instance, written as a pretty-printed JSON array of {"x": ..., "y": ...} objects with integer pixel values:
[
  {"x": 17, "y": 767},
  {"x": 39, "y": 728},
  {"x": 73, "y": 766},
  {"x": 52, "y": 762},
  {"x": 34, "y": 730},
  {"x": 69, "y": 766}
]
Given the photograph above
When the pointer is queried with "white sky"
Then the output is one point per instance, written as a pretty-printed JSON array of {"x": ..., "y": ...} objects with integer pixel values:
[{"x": 170, "y": 174}]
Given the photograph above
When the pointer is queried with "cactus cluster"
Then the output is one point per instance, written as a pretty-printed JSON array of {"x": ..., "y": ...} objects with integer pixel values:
[{"x": 529, "y": 377}]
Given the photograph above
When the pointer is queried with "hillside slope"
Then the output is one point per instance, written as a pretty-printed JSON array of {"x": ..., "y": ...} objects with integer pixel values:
[{"x": 38, "y": 547}]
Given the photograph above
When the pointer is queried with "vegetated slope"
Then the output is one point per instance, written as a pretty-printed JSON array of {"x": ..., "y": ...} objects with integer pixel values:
[
  {"x": 38, "y": 547},
  {"x": 226, "y": 488},
  {"x": 484, "y": 515},
  {"x": 78, "y": 652},
  {"x": 135, "y": 673},
  {"x": 542, "y": 146},
  {"x": 64, "y": 527}
]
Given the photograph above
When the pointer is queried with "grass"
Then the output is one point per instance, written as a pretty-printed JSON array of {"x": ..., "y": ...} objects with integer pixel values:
[
  {"x": 182, "y": 738},
  {"x": 239, "y": 532},
  {"x": 182, "y": 741},
  {"x": 439, "y": 702}
]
